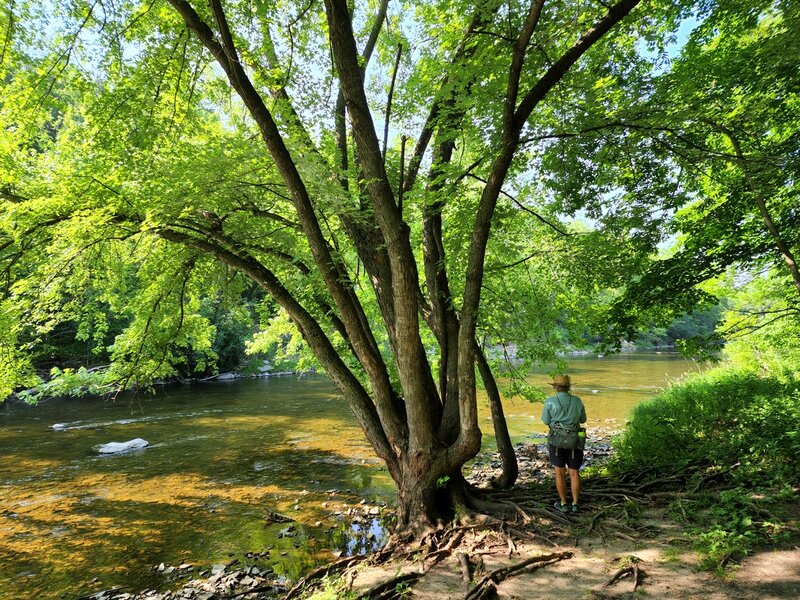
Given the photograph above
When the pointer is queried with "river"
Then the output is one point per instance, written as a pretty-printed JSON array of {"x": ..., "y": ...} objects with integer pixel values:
[{"x": 222, "y": 455}]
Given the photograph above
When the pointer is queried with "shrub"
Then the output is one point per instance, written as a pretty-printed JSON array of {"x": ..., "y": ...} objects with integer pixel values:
[{"x": 720, "y": 419}]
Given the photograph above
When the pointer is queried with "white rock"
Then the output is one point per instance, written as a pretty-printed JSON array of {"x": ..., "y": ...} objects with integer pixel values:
[
  {"x": 115, "y": 447},
  {"x": 58, "y": 426}
]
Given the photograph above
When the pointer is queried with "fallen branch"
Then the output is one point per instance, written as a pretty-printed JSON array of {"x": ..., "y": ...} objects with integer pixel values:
[{"x": 487, "y": 586}]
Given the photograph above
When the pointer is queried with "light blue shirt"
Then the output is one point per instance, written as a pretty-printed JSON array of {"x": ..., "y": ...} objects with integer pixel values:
[{"x": 563, "y": 408}]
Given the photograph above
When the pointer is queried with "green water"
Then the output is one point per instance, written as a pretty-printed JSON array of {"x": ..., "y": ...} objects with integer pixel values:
[{"x": 221, "y": 456}]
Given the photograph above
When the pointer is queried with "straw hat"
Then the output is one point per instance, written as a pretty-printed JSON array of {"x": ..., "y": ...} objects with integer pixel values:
[{"x": 561, "y": 380}]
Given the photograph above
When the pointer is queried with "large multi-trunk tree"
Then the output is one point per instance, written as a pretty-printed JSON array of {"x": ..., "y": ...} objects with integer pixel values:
[{"x": 348, "y": 158}]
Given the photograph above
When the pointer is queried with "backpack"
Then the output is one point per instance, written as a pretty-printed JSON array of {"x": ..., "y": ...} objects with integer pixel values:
[
  {"x": 562, "y": 436},
  {"x": 566, "y": 437}
]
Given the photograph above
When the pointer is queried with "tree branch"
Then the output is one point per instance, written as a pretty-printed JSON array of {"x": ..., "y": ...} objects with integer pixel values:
[
  {"x": 466, "y": 50},
  {"x": 555, "y": 73},
  {"x": 389, "y": 102},
  {"x": 525, "y": 208},
  {"x": 410, "y": 355},
  {"x": 333, "y": 272},
  {"x": 517, "y": 61},
  {"x": 360, "y": 402}
]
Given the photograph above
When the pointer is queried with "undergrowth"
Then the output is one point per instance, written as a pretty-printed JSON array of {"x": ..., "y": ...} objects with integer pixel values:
[{"x": 732, "y": 435}]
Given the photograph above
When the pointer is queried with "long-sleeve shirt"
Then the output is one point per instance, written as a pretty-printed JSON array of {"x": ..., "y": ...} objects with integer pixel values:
[{"x": 563, "y": 408}]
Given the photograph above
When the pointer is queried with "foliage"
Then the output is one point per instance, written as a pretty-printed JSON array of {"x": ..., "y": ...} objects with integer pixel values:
[
  {"x": 279, "y": 339},
  {"x": 732, "y": 533},
  {"x": 728, "y": 525},
  {"x": 762, "y": 323},
  {"x": 714, "y": 137},
  {"x": 732, "y": 426},
  {"x": 70, "y": 382},
  {"x": 165, "y": 159},
  {"x": 725, "y": 420},
  {"x": 334, "y": 587}
]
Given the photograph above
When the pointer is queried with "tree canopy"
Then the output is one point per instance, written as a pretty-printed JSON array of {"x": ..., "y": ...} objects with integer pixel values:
[{"x": 392, "y": 177}]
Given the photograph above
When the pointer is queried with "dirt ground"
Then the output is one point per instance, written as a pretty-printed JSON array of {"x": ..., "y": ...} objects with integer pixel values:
[
  {"x": 665, "y": 570},
  {"x": 655, "y": 559}
]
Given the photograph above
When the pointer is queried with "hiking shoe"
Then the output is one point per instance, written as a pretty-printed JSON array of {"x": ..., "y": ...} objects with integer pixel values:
[
  {"x": 574, "y": 507},
  {"x": 562, "y": 507}
]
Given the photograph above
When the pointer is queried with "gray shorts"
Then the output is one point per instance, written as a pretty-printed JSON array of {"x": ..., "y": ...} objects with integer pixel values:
[{"x": 561, "y": 457}]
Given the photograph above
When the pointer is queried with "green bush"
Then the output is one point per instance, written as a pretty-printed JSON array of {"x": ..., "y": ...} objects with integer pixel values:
[{"x": 726, "y": 419}]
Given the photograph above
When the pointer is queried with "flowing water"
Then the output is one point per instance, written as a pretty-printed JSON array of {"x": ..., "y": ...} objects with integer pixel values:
[{"x": 223, "y": 458}]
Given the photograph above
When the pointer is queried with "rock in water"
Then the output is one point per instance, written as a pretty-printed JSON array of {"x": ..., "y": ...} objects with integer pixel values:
[{"x": 115, "y": 447}]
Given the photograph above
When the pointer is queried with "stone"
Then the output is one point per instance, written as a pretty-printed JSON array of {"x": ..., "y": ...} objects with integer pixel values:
[{"x": 118, "y": 447}]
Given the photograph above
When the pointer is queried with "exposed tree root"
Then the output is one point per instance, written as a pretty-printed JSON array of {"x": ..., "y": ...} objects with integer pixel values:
[
  {"x": 494, "y": 521},
  {"x": 388, "y": 589},
  {"x": 466, "y": 567},
  {"x": 631, "y": 569},
  {"x": 487, "y": 586}
]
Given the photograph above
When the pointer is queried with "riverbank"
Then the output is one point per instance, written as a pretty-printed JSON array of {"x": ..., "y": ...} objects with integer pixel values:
[
  {"x": 624, "y": 542},
  {"x": 253, "y": 578}
]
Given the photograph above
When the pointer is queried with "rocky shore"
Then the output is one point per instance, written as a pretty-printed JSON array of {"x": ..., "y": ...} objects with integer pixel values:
[{"x": 533, "y": 460}]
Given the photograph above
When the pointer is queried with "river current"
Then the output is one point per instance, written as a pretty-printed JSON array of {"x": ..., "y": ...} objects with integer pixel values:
[{"x": 223, "y": 458}]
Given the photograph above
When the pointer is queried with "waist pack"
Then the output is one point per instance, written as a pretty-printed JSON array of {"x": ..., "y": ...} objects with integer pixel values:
[{"x": 568, "y": 438}]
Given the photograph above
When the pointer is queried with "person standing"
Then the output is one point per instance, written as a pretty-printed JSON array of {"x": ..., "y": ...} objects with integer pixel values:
[{"x": 568, "y": 410}]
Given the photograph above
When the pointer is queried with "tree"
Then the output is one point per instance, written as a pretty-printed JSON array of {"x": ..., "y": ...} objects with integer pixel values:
[
  {"x": 191, "y": 141},
  {"x": 715, "y": 134}
]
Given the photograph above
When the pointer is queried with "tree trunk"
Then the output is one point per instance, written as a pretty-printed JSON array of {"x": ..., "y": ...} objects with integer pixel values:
[
  {"x": 424, "y": 434},
  {"x": 421, "y": 505},
  {"x": 507, "y": 455}
]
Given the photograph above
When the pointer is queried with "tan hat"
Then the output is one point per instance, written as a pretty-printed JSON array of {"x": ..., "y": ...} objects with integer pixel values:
[{"x": 561, "y": 380}]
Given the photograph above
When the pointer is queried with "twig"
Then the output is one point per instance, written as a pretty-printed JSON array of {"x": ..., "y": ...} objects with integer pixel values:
[
  {"x": 386, "y": 586},
  {"x": 488, "y": 585}
]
